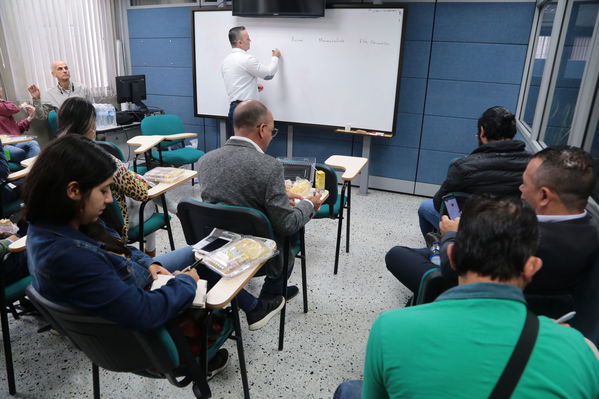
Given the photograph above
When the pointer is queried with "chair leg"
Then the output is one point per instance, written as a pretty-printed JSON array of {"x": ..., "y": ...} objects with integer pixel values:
[
  {"x": 96, "y": 380},
  {"x": 167, "y": 222},
  {"x": 240, "y": 351},
  {"x": 10, "y": 373},
  {"x": 304, "y": 274},
  {"x": 192, "y": 180},
  {"x": 284, "y": 293},
  {"x": 337, "y": 246},
  {"x": 141, "y": 225},
  {"x": 13, "y": 311},
  {"x": 347, "y": 214}
]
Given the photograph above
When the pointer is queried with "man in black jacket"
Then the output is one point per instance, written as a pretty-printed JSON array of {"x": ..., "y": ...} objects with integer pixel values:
[{"x": 495, "y": 167}]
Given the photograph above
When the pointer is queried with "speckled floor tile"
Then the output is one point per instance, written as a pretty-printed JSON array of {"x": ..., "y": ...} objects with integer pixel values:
[{"x": 322, "y": 348}]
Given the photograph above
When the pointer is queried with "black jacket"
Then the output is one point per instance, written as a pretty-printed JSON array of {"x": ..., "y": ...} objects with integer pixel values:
[{"x": 493, "y": 168}]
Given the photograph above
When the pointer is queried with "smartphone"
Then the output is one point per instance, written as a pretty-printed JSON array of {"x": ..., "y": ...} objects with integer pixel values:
[
  {"x": 216, "y": 244},
  {"x": 451, "y": 204}
]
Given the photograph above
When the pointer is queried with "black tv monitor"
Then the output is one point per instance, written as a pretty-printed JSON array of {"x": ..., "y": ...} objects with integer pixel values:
[
  {"x": 131, "y": 88},
  {"x": 279, "y": 8}
]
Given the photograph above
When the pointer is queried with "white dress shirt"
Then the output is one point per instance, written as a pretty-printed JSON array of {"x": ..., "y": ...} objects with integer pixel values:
[{"x": 241, "y": 71}]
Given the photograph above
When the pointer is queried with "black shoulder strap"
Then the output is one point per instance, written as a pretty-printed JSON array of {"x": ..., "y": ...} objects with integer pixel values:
[{"x": 515, "y": 366}]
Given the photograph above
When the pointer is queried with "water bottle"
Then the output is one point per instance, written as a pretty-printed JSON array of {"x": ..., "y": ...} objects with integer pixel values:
[
  {"x": 435, "y": 257},
  {"x": 111, "y": 116},
  {"x": 97, "y": 109}
]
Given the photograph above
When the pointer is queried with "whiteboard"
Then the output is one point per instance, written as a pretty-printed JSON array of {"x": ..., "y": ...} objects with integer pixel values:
[{"x": 342, "y": 69}]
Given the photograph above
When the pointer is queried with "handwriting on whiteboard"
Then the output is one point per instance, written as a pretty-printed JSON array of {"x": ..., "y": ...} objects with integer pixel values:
[{"x": 338, "y": 40}]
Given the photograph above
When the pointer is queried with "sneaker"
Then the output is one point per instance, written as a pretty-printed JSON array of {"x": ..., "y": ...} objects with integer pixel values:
[
  {"x": 292, "y": 292},
  {"x": 218, "y": 363},
  {"x": 263, "y": 312},
  {"x": 431, "y": 237}
]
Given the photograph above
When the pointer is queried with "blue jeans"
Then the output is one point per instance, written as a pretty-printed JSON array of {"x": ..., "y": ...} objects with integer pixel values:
[
  {"x": 351, "y": 389},
  {"x": 21, "y": 151},
  {"x": 428, "y": 217},
  {"x": 183, "y": 257}
]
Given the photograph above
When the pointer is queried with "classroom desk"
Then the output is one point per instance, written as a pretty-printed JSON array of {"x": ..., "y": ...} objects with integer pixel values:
[
  {"x": 147, "y": 142},
  {"x": 18, "y": 246},
  {"x": 351, "y": 165},
  {"x": 118, "y": 128},
  {"x": 10, "y": 140},
  {"x": 26, "y": 163},
  {"x": 19, "y": 174},
  {"x": 159, "y": 190}
]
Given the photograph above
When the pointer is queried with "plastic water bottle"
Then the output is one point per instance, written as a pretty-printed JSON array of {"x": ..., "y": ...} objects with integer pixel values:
[
  {"x": 435, "y": 257},
  {"x": 98, "y": 116},
  {"x": 111, "y": 115}
]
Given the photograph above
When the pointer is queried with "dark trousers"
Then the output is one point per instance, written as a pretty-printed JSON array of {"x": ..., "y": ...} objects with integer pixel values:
[
  {"x": 408, "y": 265},
  {"x": 15, "y": 267}
]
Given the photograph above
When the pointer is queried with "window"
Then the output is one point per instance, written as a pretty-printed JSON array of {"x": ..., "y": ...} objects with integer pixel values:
[
  {"x": 540, "y": 55},
  {"x": 81, "y": 33},
  {"x": 573, "y": 60},
  {"x": 559, "y": 103}
]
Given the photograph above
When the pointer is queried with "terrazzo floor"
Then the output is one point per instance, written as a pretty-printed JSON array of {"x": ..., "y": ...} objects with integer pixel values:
[{"x": 322, "y": 348}]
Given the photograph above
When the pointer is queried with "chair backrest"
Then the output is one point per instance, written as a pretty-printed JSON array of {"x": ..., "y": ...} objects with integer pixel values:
[
  {"x": 53, "y": 122},
  {"x": 107, "y": 344},
  {"x": 162, "y": 124},
  {"x": 199, "y": 218},
  {"x": 331, "y": 184},
  {"x": 112, "y": 149},
  {"x": 432, "y": 285}
]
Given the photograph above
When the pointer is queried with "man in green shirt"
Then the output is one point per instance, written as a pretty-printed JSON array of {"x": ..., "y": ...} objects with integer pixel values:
[{"x": 459, "y": 345}]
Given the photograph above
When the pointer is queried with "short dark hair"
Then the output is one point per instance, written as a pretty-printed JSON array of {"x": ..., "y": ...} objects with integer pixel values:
[
  {"x": 495, "y": 237},
  {"x": 76, "y": 116},
  {"x": 499, "y": 123},
  {"x": 68, "y": 158},
  {"x": 249, "y": 114},
  {"x": 235, "y": 34},
  {"x": 569, "y": 172}
]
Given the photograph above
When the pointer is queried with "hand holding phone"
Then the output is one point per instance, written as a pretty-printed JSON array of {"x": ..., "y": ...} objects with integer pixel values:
[{"x": 451, "y": 204}]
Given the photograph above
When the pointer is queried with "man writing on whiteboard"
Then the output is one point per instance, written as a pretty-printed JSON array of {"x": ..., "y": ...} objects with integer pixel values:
[{"x": 241, "y": 71}]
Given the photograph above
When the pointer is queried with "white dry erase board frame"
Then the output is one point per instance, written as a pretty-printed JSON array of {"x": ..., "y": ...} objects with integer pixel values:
[{"x": 343, "y": 69}]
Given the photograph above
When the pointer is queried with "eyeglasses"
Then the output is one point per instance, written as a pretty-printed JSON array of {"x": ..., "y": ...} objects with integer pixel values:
[{"x": 273, "y": 132}]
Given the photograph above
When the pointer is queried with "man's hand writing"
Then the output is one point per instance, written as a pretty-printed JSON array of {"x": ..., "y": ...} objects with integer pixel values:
[
  {"x": 260, "y": 87},
  {"x": 276, "y": 53},
  {"x": 191, "y": 272}
]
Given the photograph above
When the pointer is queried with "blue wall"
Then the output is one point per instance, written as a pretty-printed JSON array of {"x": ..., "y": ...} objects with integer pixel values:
[{"x": 457, "y": 62}]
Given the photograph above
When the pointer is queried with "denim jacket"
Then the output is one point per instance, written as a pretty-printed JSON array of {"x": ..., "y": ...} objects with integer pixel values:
[{"x": 70, "y": 267}]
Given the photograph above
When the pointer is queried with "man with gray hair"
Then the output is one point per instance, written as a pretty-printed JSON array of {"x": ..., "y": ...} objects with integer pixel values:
[
  {"x": 241, "y": 71},
  {"x": 241, "y": 174},
  {"x": 55, "y": 96}
]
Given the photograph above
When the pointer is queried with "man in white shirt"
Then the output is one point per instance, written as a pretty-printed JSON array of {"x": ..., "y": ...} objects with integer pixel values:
[
  {"x": 55, "y": 96},
  {"x": 241, "y": 71}
]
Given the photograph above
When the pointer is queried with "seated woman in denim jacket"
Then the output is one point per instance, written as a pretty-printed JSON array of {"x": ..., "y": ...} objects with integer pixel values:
[{"x": 76, "y": 260}]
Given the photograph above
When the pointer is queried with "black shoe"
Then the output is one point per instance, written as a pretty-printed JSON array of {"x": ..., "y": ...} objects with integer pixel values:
[
  {"x": 431, "y": 237},
  {"x": 218, "y": 363},
  {"x": 292, "y": 292},
  {"x": 263, "y": 312}
]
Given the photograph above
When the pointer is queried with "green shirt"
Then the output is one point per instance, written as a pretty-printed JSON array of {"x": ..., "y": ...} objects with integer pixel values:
[{"x": 458, "y": 346}]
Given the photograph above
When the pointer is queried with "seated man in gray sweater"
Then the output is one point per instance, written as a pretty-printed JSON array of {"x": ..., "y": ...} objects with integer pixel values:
[{"x": 241, "y": 174}]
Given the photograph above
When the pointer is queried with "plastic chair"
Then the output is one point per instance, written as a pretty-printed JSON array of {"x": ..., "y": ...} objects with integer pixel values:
[
  {"x": 114, "y": 348},
  {"x": 334, "y": 205},
  {"x": 166, "y": 125},
  {"x": 432, "y": 285},
  {"x": 53, "y": 122},
  {"x": 199, "y": 218},
  {"x": 8, "y": 295},
  {"x": 157, "y": 221}
]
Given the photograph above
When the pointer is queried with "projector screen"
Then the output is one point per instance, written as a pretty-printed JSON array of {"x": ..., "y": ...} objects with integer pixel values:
[{"x": 335, "y": 71}]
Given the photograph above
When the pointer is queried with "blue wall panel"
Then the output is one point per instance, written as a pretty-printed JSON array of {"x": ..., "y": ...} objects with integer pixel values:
[
  {"x": 394, "y": 162},
  {"x": 484, "y": 22},
  {"x": 161, "y": 52},
  {"x": 444, "y": 133},
  {"x": 432, "y": 165},
  {"x": 419, "y": 21},
  {"x": 500, "y": 63},
  {"x": 159, "y": 22},
  {"x": 415, "y": 59},
  {"x": 407, "y": 131},
  {"x": 411, "y": 95},
  {"x": 176, "y": 105},
  {"x": 468, "y": 99},
  {"x": 167, "y": 81}
]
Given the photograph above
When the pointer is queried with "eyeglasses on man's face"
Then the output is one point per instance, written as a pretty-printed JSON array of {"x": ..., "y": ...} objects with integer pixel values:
[{"x": 273, "y": 132}]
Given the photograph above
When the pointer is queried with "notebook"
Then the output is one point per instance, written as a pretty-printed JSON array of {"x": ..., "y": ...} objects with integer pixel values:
[{"x": 200, "y": 299}]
